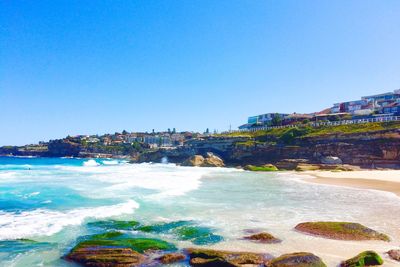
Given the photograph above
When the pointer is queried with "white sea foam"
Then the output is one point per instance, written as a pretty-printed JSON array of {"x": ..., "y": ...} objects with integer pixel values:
[
  {"x": 41, "y": 222},
  {"x": 91, "y": 163},
  {"x": 110, "y": 162}
]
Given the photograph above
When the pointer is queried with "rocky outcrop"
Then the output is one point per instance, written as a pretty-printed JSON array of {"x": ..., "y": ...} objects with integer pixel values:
[
  {"x": 263, "y": 237},
  {"x": 366, "y": 258},
  {"x": 299, "y": 259},
  {"x": 394, "y": 254},
  {"x": 211, "y": 258},
  {"x": 210, "y": 160},
  {"x": 341, "y": 231}
]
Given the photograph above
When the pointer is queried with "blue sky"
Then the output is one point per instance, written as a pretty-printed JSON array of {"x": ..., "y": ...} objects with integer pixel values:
[{"x": 87, "y": 67}]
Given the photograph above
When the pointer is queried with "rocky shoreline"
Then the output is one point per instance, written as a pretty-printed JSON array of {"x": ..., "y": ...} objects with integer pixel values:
[{"x": 122, "y": 245}]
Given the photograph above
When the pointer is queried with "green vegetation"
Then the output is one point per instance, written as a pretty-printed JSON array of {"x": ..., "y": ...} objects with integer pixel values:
[
  {"x": 341, "y": 231},
  {"x": 366, "y": 258},
  {"x": 288, "y": 135}
]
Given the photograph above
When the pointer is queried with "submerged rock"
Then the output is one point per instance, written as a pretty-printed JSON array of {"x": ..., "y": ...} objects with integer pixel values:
[
  {"x": 341, "y": 231},
  {"x": 298, "y": 259},
  {"x": 263, "y": 238},
  {"x": 208, "y": 257},
  {"x": 185, "y": 230},
  {"x": 171, "y": 258},
  {"x": 366, "y": 258},
  {"x": 394, "y": 254},
  {"x": 115, "y": 225}
]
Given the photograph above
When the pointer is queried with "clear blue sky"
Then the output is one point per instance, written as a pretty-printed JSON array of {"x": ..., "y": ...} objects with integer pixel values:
[{"x": 87, "y": 67}]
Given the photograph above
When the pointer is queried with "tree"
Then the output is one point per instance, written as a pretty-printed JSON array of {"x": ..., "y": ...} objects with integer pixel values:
[
  {"x": 207, "y": 131},
  {"x": 173, "y": 130},
  {"x": 276, "y": 120},
  {"x": 124, "y": 132}
]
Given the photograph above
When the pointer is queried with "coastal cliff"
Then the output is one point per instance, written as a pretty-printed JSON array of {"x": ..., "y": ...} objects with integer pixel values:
[{"x": 370, "y": 145}]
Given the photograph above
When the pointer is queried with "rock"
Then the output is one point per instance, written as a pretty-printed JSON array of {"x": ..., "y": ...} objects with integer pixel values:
[
  {"x": 213, "y": 161},
  {"x": 307, "y": 167},
  {"x": 171, "y": 258},
  {"x": 263, "y": 238},
  {"x": 265, "y": 168},
  {"x": 290, "y": 164},
  {"x": 97, "y": 256},
  {"x": 331, "y": 160},
  {"x": 394, "y": 254},
  {"x": 341, "y": 231},
  {"x": 366, "y": 258},
  {"x": 298, "y": 259},
  {"x": 208, "y": 257},
  {"x": 195, "y": 161}
]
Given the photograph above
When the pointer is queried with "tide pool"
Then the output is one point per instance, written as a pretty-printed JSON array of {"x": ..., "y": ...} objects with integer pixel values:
[{"x": 48, "y": 204}]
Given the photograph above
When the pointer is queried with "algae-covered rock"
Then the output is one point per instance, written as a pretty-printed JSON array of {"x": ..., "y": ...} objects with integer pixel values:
[
  {"x": 171, "y": 258},
  {"x": 115, "y": 225},
  {"x": 115, "y": 249},
  {"x": 366, "y": 258},
  {"x": 263, "y": 168},
  {"x": 163, "y": 227},
  {"x": 341, "y": 231},
  {"x": 298, "y": 259},
  {"x": 208, "y": 257},
  {"x": 394, "y": 254},
  {"x": 263, "y": 238},
  {"x": 99, "y": 256}
]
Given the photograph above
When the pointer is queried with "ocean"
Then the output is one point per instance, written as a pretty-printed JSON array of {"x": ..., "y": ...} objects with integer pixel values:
[{"x": 48, "y": 204}]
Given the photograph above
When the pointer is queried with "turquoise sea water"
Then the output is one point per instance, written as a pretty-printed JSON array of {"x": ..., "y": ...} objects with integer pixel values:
[{"x": 47, "y": 204}]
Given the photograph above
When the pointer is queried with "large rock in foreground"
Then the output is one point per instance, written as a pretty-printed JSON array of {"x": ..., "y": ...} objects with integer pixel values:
[
  {"x": 116, "y": 249},
  {"x": 211, "y": 258},
  {"x": 97, "y": 256},
  {"x": 341, "y": 231},
  {"x": 366, "y": 258},
  {"x": 299, "y": 259}
]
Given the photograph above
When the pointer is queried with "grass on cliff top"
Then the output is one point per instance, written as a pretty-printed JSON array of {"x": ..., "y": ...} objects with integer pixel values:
[{"x": 307, "y": 131}]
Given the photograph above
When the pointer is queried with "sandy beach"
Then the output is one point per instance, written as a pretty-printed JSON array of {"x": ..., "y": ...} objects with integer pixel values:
[{"x": 385, "y": 180}]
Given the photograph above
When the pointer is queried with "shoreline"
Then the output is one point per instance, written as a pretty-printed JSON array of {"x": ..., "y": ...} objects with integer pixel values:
[{"x": 382, "y": 180}]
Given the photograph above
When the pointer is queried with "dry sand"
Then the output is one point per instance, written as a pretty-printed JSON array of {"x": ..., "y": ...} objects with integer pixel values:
[{"x": 385, "y": 180}]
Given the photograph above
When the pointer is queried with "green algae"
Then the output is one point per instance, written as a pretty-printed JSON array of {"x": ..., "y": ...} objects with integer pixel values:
[
  {"x": 366, "y": 258},
  {"x": 298, "y": 259},
  {"x": 118, "y": 239},
  {"x": 268, "y": 168}
]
